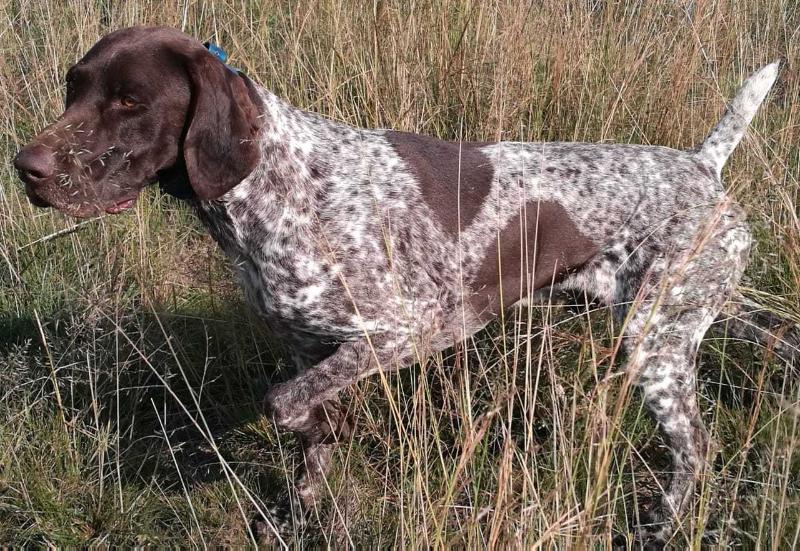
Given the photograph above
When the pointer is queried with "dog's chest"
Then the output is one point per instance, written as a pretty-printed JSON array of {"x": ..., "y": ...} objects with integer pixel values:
[{"x": 285, "y": 279}]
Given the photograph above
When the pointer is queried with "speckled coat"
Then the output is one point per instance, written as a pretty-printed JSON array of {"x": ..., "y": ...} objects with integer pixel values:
[{"x": 370, "y": 249}]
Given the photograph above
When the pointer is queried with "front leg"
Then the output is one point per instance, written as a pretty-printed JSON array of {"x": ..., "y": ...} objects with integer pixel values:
[
  {"x": 297, "y": 404},
  {"x": 308, "y": 405}
]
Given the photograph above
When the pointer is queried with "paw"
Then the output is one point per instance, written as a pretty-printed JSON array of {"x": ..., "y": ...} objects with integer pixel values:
[
  {"x": 284, "y": 521},
  {"x": 652, "y": 533},
  {"x": 332, "y": 421},
  {"x": 284, "y": 405},
  {"x": 324, "y": 422},
  {"x": 638, "y": 540}
]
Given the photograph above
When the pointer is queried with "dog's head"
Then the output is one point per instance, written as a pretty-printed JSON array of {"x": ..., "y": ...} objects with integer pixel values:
[{"x": 145, "y": 103}]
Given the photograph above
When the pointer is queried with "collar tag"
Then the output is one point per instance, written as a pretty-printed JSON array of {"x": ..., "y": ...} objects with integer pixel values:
[
  {"x": 216, "y": 51},
  {"x": 220, "y": 54}
]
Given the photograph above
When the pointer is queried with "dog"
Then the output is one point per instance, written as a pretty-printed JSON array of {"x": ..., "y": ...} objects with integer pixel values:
[{"x": 368, "y": 250}]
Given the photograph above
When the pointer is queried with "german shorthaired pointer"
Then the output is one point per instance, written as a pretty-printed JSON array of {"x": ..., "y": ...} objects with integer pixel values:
[{"x": 368, "y": 250}]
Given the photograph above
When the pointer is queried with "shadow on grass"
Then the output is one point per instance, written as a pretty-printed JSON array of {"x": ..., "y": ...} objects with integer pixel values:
[
  {"x": 174, "y": 390},
  {"x": 169, "y": 396}
]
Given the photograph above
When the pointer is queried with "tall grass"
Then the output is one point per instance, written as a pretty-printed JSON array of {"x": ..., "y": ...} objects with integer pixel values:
[{"x": 131, "y": 374}]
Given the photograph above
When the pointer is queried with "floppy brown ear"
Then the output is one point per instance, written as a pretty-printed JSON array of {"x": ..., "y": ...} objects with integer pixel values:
[{"x": 220, "y": 147}]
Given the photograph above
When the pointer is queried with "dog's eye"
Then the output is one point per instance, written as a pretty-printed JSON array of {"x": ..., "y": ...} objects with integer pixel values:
[{"x": 127, "y": 101}]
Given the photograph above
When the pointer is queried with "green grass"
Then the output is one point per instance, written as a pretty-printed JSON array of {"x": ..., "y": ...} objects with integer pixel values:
[{"x": 131, "y": 373}]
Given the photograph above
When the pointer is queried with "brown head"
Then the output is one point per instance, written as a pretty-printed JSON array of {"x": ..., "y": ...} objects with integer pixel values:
[{"x": 144, "y": 104}]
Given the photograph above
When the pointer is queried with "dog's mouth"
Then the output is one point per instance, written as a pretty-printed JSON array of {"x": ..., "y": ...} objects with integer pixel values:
[
  {"x": 34, "y": 198},
  {"x": 121, "y": 206},
  {"x": 82, "y": 209}
]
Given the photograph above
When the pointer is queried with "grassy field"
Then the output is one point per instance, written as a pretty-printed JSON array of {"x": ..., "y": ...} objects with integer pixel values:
[{"x": 131, "y": 372}]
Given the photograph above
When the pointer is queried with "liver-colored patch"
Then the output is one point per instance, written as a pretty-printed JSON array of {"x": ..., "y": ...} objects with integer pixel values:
[
  {"x": 541, "y": 240},
  {"x": 438, "y": 166}
]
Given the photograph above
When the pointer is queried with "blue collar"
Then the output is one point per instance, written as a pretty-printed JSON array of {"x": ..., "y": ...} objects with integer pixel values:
[{"x": 220, "y": 54}]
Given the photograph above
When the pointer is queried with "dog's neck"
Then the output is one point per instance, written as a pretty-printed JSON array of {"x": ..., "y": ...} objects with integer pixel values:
[
  {"x": 293, "y": 153},
  {"x": 278, "y": 200}
]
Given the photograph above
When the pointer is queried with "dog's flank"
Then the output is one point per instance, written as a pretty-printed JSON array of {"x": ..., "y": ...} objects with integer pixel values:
[{"x": 368, "y": 250}]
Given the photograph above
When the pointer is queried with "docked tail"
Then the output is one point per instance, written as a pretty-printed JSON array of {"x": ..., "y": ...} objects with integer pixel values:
[{"x": 729, "y": 131}]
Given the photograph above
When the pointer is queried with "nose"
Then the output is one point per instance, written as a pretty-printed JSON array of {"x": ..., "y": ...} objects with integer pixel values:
[{"x": 35, "y": 164}]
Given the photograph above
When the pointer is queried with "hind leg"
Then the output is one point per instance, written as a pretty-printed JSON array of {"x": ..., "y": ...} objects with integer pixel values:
[
  {"x": 683, "y": 295},
  {"x": 662, "y": 364}
]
